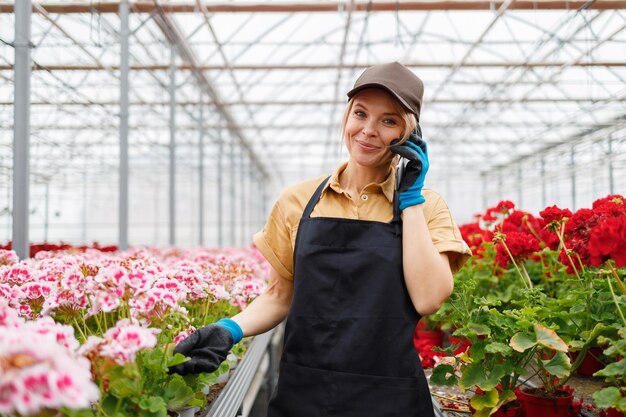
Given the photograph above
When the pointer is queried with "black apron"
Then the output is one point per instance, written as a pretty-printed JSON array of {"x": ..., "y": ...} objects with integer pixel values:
[{"x": 348, "y": 348}]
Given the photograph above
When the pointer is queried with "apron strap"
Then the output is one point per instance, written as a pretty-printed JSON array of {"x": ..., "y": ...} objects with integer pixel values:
[
  {"x": 397, "y": 220},
  {"x": 318, "y": 192},
  {"x": 314, "y": 199}
]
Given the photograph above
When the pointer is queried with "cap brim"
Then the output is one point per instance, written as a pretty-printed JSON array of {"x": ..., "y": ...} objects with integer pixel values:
[{"x": 356, "y": 90}]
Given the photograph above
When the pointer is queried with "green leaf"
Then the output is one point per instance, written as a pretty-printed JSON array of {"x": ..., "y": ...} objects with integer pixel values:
[
  {"x": 607, "y": 397},
  {"x": 148, "y": 413},
  {"x": 498, "y": 348},
  {"x": 472, "y": 374},
  {"x": 443, "y": 375},
  {"x": 506, "y": 396},
  {"x": 177, "y": 359},
  {"x": 207, "y": 379},
  {"x": 480, "y": 329},
  {"x": 487, "y": 400},
  {"x": 109, "y": 403},
  {"x": 200, "y": 400},
  {"x": 548, "y": 338},
  {"x": 85, "y": 412},
  {"x": 494, "y": 377},
  {"x": 559, "y": 365},
  {"x": 477, "y": 350},
  {"x": 613, "y": 369},
  {"x": 153, "y": 360},
  {"x": 125, "y": 381},
  {"x": 152, "y": 404},
  {"x": 597, "y": 331},
  {"x": 522, "y": 342},
  {"x": 179, "y": 393}
]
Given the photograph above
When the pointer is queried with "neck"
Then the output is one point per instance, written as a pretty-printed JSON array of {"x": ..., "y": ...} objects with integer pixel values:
[{"x": 355, "y": 177}]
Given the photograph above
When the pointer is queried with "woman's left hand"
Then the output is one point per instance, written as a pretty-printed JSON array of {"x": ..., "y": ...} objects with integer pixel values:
[{"x": 410, "y": 188}]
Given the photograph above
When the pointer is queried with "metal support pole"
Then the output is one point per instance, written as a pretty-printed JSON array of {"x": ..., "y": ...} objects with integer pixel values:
[
  {"x": 172, "y": 194},
  {"x": 232, "y": 194},
  {"x": 201, "y": 176},
  {"x": 46, "y": 214},
  {"x": 157, "y": 206},
  {"x": 483, "y": 186},
  {"x": 123, "y": 169},
  {"x": 542, "y": 172},
  {"x": 610, "y": 164},
  {"x": 519, "y": 186},
  {"x": 220, "y": 189},
  {"x": 83, "y": 216},
  {"x": 21, "y": 129},
  {"x": 572, "y": 160},
  {"x": 263, "y": 188},
  {"x": 500, "y": 184},
  {"x": 258, "y": 207},
  {"x": 253, "y": 204},
  {"x": 9, "y": 201},
  {"x": 243, "y": 220}
]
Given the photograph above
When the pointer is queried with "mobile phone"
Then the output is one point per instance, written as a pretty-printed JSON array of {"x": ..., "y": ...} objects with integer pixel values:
[{"x": 400, "y": 171}]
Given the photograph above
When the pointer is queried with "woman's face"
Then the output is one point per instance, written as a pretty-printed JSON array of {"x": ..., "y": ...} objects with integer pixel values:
[{"x": 374, "y": 121}]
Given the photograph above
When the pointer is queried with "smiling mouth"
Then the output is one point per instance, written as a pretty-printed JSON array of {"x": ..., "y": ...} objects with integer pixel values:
[{"x": 367, "y": 146}]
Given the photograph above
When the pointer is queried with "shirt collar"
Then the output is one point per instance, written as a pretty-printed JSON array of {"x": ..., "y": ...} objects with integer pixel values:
[{"x": 387, "y": 186}]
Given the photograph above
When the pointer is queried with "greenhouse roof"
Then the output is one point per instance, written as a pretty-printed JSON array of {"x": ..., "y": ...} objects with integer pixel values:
[{"x": 505, "y": 81}]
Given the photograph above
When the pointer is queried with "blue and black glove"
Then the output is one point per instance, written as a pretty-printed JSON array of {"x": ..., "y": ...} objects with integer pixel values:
[
  {"x": 208, "y": 347},
  {"x": 410, "y": 185}
]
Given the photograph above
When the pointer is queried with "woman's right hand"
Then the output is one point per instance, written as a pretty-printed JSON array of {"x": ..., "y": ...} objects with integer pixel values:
[{"x": 415, "y": 151}]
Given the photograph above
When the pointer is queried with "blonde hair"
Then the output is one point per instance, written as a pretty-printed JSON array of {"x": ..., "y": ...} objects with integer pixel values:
[{"x": 408, "y": 119}]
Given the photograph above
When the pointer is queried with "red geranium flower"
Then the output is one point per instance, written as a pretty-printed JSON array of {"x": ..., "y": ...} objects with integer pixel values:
[
  {"x": 608, "y": 240},
  {"x": 474, "y": 236},
  {"x": 615, "y": 200},
  {"x": 520, "y": 244},
  {"x": 488, "y": 217},
  {"x": 505, "y": 206},
  {"x": 554, "y": 214}
]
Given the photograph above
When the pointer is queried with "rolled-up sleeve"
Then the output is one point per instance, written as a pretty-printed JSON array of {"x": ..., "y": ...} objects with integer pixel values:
[
  {"x": 445, "y": 233},
  {"x": 274, "y": 242}
]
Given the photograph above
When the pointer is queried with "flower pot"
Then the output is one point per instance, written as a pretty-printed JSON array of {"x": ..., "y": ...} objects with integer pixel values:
[
  {"x": 187, "y": 411},
  {"x": 590, "y": 363},
  {"x": 512, "y": 409},
  {"x": 463, "y": 343},
  {"x": 536, "y": 403},
  {"x": 614, "y": 412}
]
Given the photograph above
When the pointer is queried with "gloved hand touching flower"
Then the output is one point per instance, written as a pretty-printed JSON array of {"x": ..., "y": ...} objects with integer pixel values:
[{"x": 208, "y": 347}]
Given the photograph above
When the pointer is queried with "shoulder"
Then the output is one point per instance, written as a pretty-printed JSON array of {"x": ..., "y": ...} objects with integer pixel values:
[
  {"x": 436, "y": 210},
  {"x": 294, "y": 198},
  {"x": 434, "y": 203},
  {"x": 299, "y": 194}
]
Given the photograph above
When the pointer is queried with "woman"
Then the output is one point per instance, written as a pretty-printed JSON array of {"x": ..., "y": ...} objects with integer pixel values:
[{"x": 354, "y": 266}]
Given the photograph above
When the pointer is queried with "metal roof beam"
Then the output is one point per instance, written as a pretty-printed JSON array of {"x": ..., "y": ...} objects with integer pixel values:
[
  {"x": 225, "y": 60},
  {"x": 461, "y": 63},
  {"x": 316, "y": 7},
  {"x": 333, "y": 109},
  {"x": 173, "y": 34},
  {"x": 311, "y": 126},
  {"x": 273, "y": 103},
  {"x": 306, "y": 67}
]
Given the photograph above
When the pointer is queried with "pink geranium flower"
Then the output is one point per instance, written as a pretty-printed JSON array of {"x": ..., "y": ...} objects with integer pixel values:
[
  {"x": 184, "y": 334},
  {"x": 8, "y": 257},
  {"x": 38, "y": 373},
  {"x": 122, "y": 342}
]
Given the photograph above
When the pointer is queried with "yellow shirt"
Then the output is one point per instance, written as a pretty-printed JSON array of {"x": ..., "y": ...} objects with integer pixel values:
[{"x": 277, "y": 239}]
